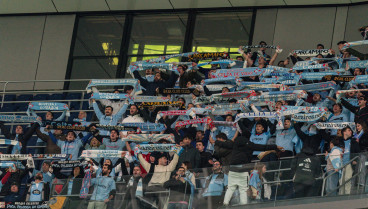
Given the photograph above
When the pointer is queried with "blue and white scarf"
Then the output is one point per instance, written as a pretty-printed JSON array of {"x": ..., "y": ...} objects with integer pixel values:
[
  {"x": 359, "y": 79},
  {"x": 148, "y": 138},
  {"x": 101, "y": 153},
  {"x": 113, "y": 82},
  {"x": 228, "y": 62},
  {"x": 316, "y": 76},
  {"x": 315, "y": 86},
  {"x": 111, "y": 96},
  {"x": 336, "y": 125},
  {"x": 150, "y": 99},
  {"x": 157, "y": 148},
  {"x": 18, "y": 118},
  {"x": 48, "y": 106},
  {"x": 357, "y": 64},
  {"x": 146, "y": 126},
  {"x": 307, "y": 117},
  {"x": 238, "y": 72},
  {"x": 311, "y": 67},
  {"x": 354, "y": 43},
  {"x": 215, "y": 80}
]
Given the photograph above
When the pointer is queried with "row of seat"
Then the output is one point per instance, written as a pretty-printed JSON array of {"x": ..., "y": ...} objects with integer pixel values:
[{"x": 42, "y": 97}]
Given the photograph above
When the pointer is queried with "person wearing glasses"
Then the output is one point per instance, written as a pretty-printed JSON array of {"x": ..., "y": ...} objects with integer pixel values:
[{"x": 215, "y": 187}]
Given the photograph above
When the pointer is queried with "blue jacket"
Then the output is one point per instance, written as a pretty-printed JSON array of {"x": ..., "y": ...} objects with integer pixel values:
[
  {"x": 109, "y": 120},
  {"x": 71, "y": 147}
]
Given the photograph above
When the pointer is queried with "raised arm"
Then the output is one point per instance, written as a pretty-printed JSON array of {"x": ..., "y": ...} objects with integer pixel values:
[
  {"x": 142, "y": 81},
  {"x": 4, "y": 130},
  {"x": 348, "y": 106},
  {"x": 97, "y": 110},
  {"x": 61, "y": 117}
]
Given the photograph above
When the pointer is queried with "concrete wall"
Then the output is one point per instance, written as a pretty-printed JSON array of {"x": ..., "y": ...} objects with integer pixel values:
[
  {"x": 304, "y": 28},
  {"x": 35, "y": 47}
]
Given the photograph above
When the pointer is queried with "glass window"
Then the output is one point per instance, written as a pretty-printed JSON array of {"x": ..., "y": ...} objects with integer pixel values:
[
  {"x": 102, "y": 68},
  {"x": 99, "y": 36},
  {"x": 218, "y": 32},
  {"x": 157, "y": 34}
]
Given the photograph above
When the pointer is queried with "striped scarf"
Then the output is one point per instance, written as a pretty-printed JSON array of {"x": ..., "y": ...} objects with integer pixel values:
[
  {"x": 207, "y": 121},
  {"x": 149, "y": 138}
]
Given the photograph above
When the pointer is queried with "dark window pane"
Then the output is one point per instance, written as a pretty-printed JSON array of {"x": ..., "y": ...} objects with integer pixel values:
[
  {"x": 157, "y": 34},
  {"x": 217, "y": 32},
  {"x": 92, "y": 69},
  {"x": 99, "y": 36}
]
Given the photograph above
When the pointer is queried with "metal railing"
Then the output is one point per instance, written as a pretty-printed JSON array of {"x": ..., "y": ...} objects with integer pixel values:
[{"x": 344, "y": 182}]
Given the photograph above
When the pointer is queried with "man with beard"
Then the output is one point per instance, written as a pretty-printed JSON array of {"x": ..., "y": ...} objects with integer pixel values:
[
  {"x": 112, "y": 143},
  {"x": 38, "y": 190},
  {"x": 104, "y": 189},
  {"x": 215, "y": 186}
]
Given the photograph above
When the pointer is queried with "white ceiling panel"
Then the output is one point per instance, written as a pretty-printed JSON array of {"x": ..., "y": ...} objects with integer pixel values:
[
  {"x": 314, "y": 2},
  {"x": 138, "y": 4},
  {"x": 21, "y": 6},
  {"x": 179, "y": 4},
  {"x": 242, "y": 3},
  {"x": 80, "y": 5}
]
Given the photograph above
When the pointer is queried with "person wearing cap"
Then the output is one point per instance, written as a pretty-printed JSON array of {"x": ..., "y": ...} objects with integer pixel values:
[
  {"x": 361, "y": 112},
  {"x": 38, "y": 190},
  {"x": 215, "y": 186},
  {"x": 14, "y": 194}
]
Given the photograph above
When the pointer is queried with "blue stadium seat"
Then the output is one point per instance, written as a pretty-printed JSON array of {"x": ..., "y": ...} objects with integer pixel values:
[
  {"x": 41, "y": 97},
  {"x": 25, "y": 97},
  {"x": 89, "y": 116},
  {"x": 85, "y": 106},
  {"x": 8, "y": 108},
  {"x": 21, "y": 106},
  {"x": 74, "y": 106},
  {"x": 9, "y": 97},
  {"x": 87, "y": 96},
  {"x": 56, "y": 97},
  {"x": 74, "y": 96}
]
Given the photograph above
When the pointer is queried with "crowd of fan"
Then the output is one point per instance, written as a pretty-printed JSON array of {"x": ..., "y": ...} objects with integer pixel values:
[{"x": 227, "y": 149}]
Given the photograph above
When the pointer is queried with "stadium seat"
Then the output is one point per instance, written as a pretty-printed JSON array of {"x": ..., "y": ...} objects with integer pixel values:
[
  {"x": 40, "y": 97},
  {"x": 21, "y": 106},
  {"x": 9, "y": 97},
  {"x": 74, "y": 96},
  {"x": 25, "y": 97},
  {"x": 56, "y": 97},
  {"x": 8, "y": 108},
  {"x": 74, "y": 105}
]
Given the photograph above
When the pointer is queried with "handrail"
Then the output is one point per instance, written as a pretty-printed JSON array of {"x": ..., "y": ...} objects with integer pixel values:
[{"x": 325, "y": 178}]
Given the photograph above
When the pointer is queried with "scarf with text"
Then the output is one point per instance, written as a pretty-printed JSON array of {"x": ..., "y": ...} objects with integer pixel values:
[
  {"x": 161, "y": 104},
  {"x": 354, "y": 43},
  {"x": 149, "y": 138},
  {"x": 113, "y": 82},
  {"x": 208, "y": 121},
  {"x": 311, "y": 52},
  {"x": 18, "y": 118},
  {"x": 48, "y": 106},
  {"x": 338, "y": 125},
  {"x": 357, "y": 64}
]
